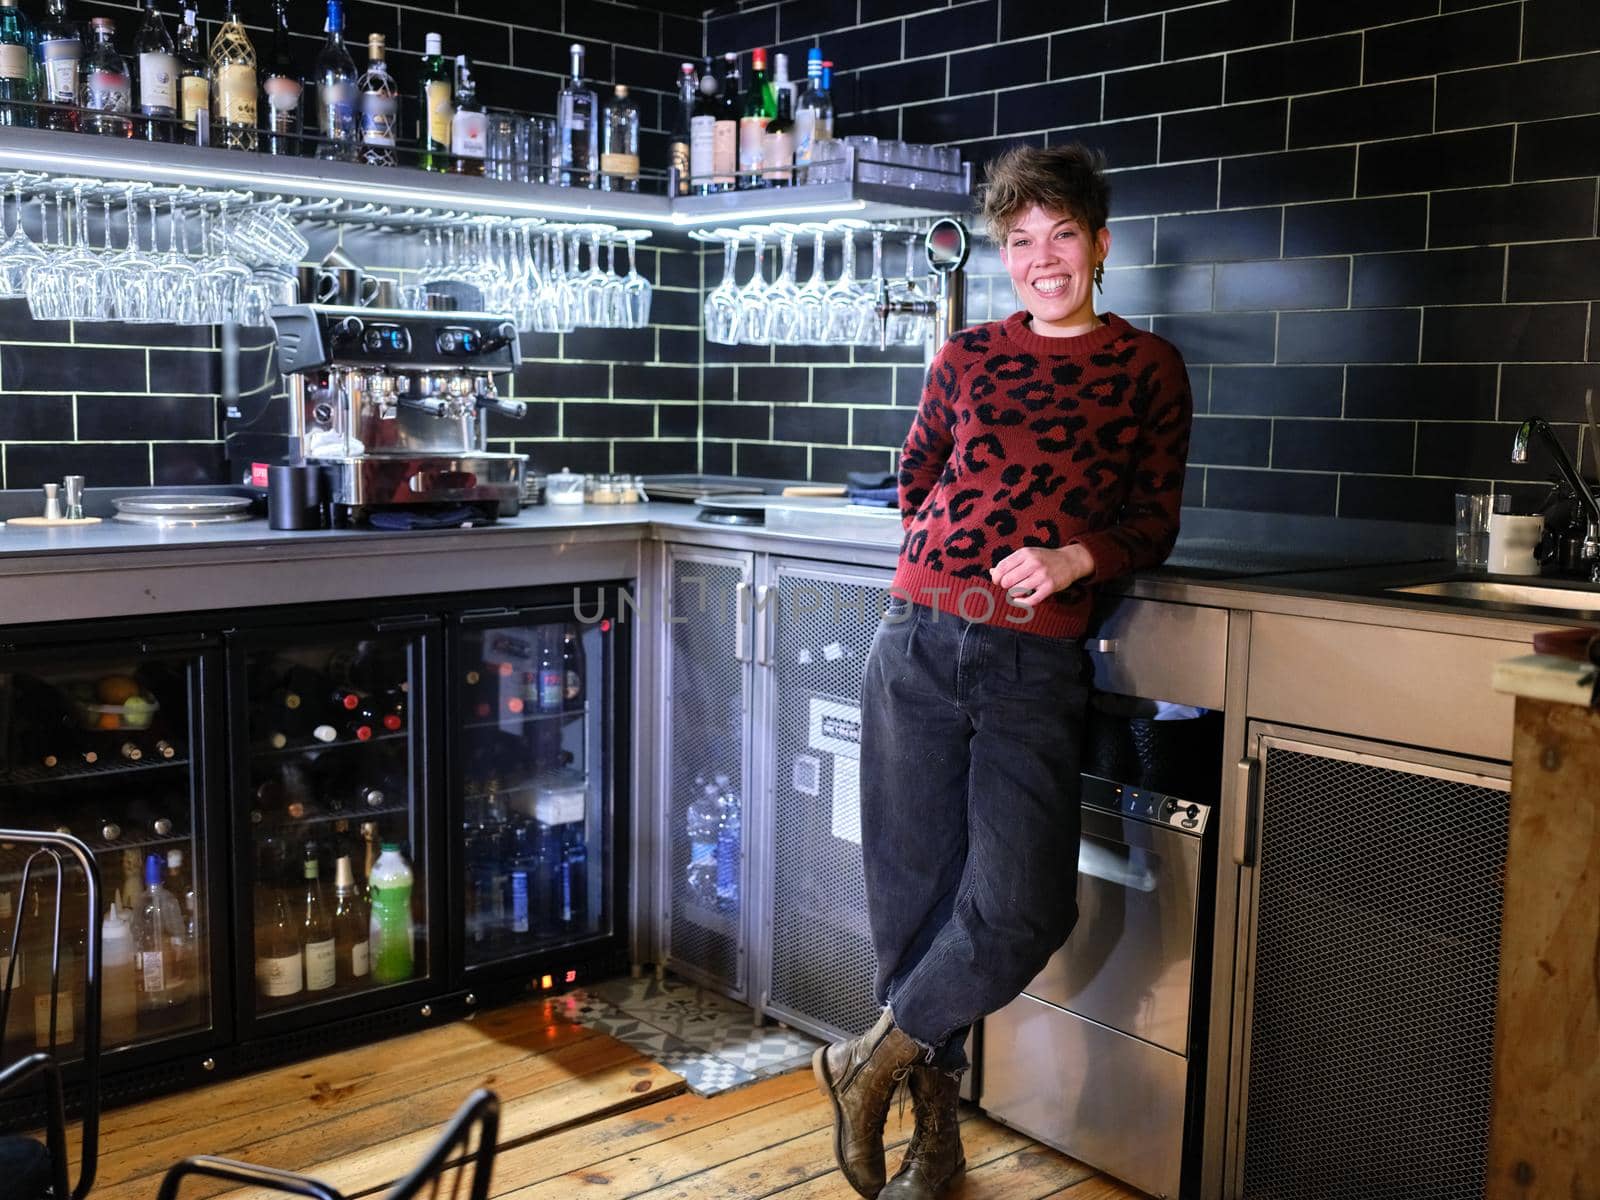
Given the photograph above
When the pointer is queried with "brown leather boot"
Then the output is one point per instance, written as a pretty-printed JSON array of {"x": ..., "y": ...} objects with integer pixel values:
[
  {"x": 858, "y": 1076},
  {"x": 934, "y": 1157}
]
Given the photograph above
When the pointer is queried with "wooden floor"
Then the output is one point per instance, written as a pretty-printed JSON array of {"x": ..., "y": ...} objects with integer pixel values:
[{"x": 582, "y": 1115}]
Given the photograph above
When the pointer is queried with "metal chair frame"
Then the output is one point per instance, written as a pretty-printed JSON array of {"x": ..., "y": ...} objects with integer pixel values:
[
  {"x": 59, "y": 847},
  {"x": 481, "y": 1112}
]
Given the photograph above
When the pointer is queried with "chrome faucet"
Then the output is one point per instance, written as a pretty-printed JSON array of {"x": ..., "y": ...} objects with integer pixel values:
[{"x": 1519, "y": 454}]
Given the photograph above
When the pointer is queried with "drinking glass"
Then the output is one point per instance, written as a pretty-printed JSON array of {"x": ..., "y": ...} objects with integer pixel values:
[
  {"x": 636, "y": 289},
  {"x": 592, "y": 283},
  {"x": 721, "y": 307},
  {"x": 18, "y": 255},
  {"x": 783, "y": 297},
  {"x": 869, "y": 168},
  {"x": 908, "y": 329},
  {"x": 868, "y": 328},
  {"x": 1472, "y": 531},
  {"x": 812, "y": 298},
  {"x": 615, "y": 306},
  {"x": 844, "y": 312},
  {"x": 177, "y": 279},
  {"x": 500, "y": 152},
  {"x": 541, "y": 137},
  {"x": 752, "y": 328}
]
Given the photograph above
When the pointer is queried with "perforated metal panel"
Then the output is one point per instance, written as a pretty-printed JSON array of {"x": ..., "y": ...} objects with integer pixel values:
[
  {"x": 707, "y": 689},
  {"x": 821, "y": 948},
  {"x": 1376, "y": 953}
]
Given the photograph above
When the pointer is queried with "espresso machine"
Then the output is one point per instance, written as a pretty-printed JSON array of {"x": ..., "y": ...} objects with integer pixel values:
[{"x": 392, "y": 405}]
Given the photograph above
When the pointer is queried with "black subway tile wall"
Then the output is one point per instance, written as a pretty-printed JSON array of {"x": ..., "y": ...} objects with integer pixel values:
[{"x": 1370, "y": 225}]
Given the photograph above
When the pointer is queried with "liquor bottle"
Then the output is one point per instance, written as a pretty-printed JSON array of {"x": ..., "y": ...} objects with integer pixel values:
[
  {"x": 284, "y": 92},
  {"x": 380, "y": 107},
  {"x": 279, "y": 962},
  {"x": 702, "y": 134},
  {"x": 336, "y": 91},
  {"x": 119, "y": 988},
  {"x": 551, "y": 681},
  {"x": 619, "y": 147},
  {"x": 233, "y": 85},
  {"x": 577, "y": 145},
  {"x": 779, "y": 82},
  {"x": 157, "y": 924},
  {"x": 107, "y": 89},
  {"x": 777, "y": 144},
  {"x": 316, "y": 934},
  {"x": 813, "y": 116},
  {"x": 350, "y": 931},
  {"x": 572, "y": 668},
  {"x": 469, "y": 128},
  {"x": 725, "y": 134},
  {"x": 194, "y": 82},
  {"x": 753, "y": 123},
  {"x": 60, "y": 60},
  {"x": 438, "y": 109},
  {"x": 158, "y": 77},
  {"x": 17, "y": 76},
  {"x": 680, "y": 150}
]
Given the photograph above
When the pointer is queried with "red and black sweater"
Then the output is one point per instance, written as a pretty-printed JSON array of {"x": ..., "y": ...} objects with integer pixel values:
[{"x": 1022, "y": 440}]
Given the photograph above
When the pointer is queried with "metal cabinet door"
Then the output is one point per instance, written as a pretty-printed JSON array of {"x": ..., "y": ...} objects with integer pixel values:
[
  {"x": 814, "y": 627},
  {"x": 704, "y": 735},
  {"x": 1370, "y": 916}
]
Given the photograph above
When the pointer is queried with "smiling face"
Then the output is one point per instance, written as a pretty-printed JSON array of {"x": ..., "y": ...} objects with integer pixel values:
[{"x": 1051, "y": 259}]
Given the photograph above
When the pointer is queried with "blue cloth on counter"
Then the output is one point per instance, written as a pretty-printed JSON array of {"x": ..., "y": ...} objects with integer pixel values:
[
  {"x": 444, "y": 518},
  {"x": 882, "y": 497}
]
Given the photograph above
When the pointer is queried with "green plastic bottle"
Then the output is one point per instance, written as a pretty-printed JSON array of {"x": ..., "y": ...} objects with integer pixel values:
[{"x": 392, "y": 933}]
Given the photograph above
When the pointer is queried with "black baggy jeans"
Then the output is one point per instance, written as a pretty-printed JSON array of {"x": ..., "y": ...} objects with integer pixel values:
[{"x": 970, "y": 746}]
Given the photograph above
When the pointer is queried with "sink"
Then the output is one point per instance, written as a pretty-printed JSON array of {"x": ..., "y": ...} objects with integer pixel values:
[{"x": 1533, "y": 594}]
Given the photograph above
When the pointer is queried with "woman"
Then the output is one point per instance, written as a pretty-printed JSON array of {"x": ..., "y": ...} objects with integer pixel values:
[{"x": 1047, "y": 457}]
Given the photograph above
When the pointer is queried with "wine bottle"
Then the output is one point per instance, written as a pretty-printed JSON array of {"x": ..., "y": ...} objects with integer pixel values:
[
  {"x": 158, "y": 77},
  {"x": 725, "y": 133},
  {"x": 317, "y": 933},
  {"x": 468, "y": 126},
  {"x": 345, "y": 699},
  {"x": 438, "y": 107},
  {"x": 233, "y": 91},
  {"x": 753, "y": 123},
  {"x": 284, "y": 92},
  {"x": 130, "y": 751},
  {"x": 60, "y": 62},
  {"x": 813, "y": 115},
  {"x": 165, "y": 749},
  {"x": 336, "y": 91},
  {"x": 17, "y": 75},
  {"x": 380, "y": 107},
  {"x": 394, "y": 709},
  {"x": 350, "y": 926},
  {"x": 194, "y": 82},
  {"x": 702, "y": 134},
  {"x": 576, "y": 142},
  {"x": 680, "y": 150},
  {"x": 619, "y": 146},
  {"x": 280, "y": 972},
  {"x": 777, "y": 144},
  {"x": 107, "y": 88}
]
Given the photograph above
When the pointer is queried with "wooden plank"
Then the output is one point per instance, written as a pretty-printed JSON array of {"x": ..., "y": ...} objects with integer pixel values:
[
  {"x": 1544, "y": 1137},
  {"x": 337, "y": 1129},
  {"x": 1101, "y": 1187}
]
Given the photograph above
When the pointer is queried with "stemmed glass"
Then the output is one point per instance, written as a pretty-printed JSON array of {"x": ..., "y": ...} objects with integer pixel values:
[
  {"x": 844, "y": 297},
  {"x": 812, "y": 298},
  {"x": 177, "y": 279},
  {"x": 225, "y": 277},
  {"x": 721, "y": 308},
  {"x": 614, "y": 308},
  {"x": 752, "y": 325},
  {"x": 907, "y": 329},
  {"x": 783, "y": 307},
  {"x": 18, "y": 255},
  {"x": 636, "y": 289},
  {"x": 867, "y": 296},
  {"x": 593, "y": 281}
]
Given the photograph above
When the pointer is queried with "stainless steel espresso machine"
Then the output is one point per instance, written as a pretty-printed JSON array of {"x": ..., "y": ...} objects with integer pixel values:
[{"x": 393, "y": 405}]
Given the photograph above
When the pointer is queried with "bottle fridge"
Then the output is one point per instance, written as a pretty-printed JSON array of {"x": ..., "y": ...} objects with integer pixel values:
[
  {"x": 107, "y": 739},
  {"x": 334, "y": 864},
  {"x": 538, "y": 805}
]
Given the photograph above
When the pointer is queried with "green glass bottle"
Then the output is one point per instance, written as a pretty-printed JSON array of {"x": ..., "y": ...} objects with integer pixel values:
[
  {"x": 438, "y": 107},
  {"x": 18, "y": 71}
]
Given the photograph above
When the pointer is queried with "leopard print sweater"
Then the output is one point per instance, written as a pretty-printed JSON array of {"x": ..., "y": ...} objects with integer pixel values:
[{"x": 1022, "y": 440}]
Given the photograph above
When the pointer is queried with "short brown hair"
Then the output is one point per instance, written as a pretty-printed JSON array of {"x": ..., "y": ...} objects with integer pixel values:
[{"x": 1066, "y": 179}]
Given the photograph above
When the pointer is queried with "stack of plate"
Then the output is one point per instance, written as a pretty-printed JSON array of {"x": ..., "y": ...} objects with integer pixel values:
[{"x": 180, "y": 510}]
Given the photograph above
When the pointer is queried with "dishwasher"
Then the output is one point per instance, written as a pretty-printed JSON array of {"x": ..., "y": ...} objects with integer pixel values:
[{"x": 1103, "y": 1054}]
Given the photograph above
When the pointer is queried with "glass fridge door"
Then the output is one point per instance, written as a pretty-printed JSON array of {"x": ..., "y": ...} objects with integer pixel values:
[
  {"x": 334, "y": 866},
  {"x": 103, "y": 741},
  {"x": 535, "y": 726}
]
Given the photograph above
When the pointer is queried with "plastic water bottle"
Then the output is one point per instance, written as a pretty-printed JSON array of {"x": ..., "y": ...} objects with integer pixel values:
[
  {"x": 392, "y": 933},
  {"x": 705, "y": 827},
  {"x": 727, "y": 800},
  {"x": 119, "y": 995}
]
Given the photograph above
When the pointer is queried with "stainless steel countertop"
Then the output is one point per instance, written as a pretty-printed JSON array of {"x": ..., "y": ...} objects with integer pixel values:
[{"x": 115, "y": 569}]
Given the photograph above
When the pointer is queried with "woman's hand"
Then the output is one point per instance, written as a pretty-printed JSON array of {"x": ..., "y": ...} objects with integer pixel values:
[{"x": 1032, "y": 573}]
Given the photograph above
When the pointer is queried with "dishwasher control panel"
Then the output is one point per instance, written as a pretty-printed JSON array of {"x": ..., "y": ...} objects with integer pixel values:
[{"x": 1146, "y": 804}]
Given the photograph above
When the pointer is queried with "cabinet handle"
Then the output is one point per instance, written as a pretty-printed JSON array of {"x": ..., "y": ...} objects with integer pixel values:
[
  {"x": 486, "y": 616},
  {"x": 763, "y": 624},
  {"x": 397, "y": 624},
  {"x": 741, "y": 623},
  {"x": 1101, "y": 645},
  {"x": 1245, "y": 826}
]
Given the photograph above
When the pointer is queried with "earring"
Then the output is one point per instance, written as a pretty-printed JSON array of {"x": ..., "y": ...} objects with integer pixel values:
[{"x": 1100, "y": 276}]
